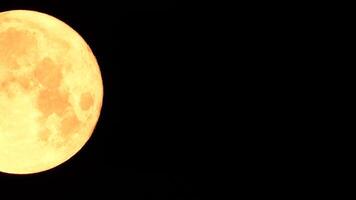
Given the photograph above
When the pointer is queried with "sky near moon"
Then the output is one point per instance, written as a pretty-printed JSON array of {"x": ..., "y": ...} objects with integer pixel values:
[{"x": 50, "y": 92}]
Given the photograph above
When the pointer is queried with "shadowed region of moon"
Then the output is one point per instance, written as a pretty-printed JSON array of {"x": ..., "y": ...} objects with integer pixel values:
[
  {"x": 69, "y": 124},
  {"x": 48, "y": 73},
  {"x": 86, "y": 101},
  {"x": 52, "y": 101},
  {"x": 15, "y": 43},
  {"x": 24, "y": 82},
  {"x": 50, "y": 84}
]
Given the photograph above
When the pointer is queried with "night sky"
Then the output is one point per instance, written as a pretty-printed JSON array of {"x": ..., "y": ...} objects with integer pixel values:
[{"x": 140, "y": 148}]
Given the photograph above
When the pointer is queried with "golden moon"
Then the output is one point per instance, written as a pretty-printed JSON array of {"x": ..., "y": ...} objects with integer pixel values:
[{"x": 51, "y": 92}]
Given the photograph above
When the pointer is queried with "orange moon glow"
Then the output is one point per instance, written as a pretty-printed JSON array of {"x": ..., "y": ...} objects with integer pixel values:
[{"x": 51, "y": 92}]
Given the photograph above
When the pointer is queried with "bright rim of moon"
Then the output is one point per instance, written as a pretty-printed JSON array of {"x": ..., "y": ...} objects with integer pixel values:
[{"x": 51, "y": 92}]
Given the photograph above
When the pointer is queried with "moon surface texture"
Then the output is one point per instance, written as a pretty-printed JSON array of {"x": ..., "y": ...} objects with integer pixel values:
[{"x": 51, "y": 92}]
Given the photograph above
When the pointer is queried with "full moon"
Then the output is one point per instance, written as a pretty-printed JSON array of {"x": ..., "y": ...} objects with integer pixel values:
[{"x": 51, "y": 92}]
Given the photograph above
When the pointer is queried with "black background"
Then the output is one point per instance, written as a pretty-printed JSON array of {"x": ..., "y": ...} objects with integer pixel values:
[{"x": 140, "y": 148}]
